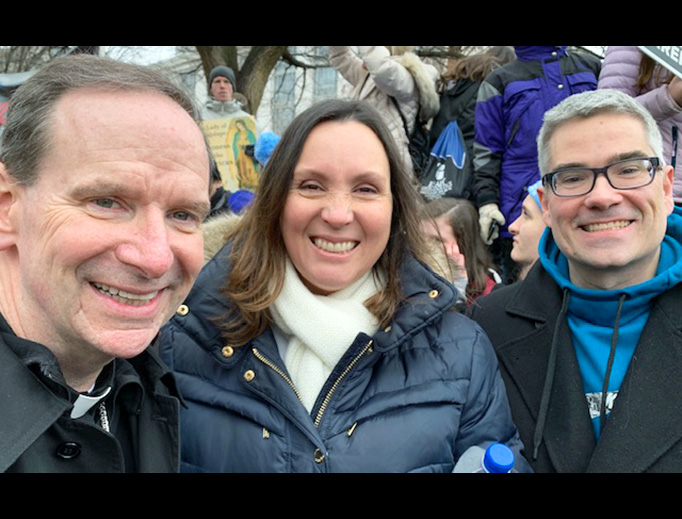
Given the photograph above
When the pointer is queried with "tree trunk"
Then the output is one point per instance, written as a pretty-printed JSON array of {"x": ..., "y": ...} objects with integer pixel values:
[
  {"x": 256, "y": 72},
  {"x": 210, "y": 58}
]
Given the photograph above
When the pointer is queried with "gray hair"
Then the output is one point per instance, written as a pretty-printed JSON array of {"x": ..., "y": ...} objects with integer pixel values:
[
  {"x": 26, "y": 138},
  {"x": 588, "y": 104}
]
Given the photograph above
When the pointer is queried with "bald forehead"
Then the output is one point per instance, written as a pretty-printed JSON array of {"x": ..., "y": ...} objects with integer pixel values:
[
  {"x": 124, "y": 126},
  {"x": 138, "y": 118},
  {"x": 92, "y": 106}
]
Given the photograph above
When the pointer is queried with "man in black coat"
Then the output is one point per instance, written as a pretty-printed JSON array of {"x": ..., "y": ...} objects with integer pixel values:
[
  {"x": 104, "y": 181},
  {"x": 589, "y": 343}
]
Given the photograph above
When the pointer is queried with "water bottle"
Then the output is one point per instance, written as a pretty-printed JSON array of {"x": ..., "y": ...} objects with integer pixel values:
[{"x": 497, "y": 458}]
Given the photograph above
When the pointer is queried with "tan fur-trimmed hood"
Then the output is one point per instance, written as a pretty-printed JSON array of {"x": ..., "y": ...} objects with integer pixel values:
[
  {"x": 425, "y": 78},
  {"x": 215, "y": 231}
]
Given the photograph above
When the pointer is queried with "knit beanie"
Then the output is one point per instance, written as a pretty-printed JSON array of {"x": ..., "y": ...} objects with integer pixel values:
[
  {"x": 226, "y": 72},
  {"x": 533, "y": 191},
  {"x": 240, "y": 199}
]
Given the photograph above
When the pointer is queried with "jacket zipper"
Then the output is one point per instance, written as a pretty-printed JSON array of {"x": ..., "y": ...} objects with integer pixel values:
[
  {"x": 325, "y": 402},
  {"x": 276, "y": 369}
]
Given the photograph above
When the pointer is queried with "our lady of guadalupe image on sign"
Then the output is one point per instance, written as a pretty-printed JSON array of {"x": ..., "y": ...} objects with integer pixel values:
[{"x": 231, "y": 141}]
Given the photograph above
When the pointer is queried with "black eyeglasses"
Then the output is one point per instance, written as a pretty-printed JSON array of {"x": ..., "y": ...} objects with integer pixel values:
[{"x": 624, "y": 174}]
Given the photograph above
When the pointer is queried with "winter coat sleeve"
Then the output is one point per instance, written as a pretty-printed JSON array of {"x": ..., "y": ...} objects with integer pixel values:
[
  {"x": 620, "y": 70},
  {"x": 489, "y": 144},
  {"x": 347, "y": 63},
  {"x": 486, "y": 416},
  {"x": 388, "y": 75}
]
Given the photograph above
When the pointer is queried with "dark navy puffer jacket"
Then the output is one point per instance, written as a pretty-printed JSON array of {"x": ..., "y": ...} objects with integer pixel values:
[
  {"x": 411, "y": 398},
  {"x": 509, "y": 110}
]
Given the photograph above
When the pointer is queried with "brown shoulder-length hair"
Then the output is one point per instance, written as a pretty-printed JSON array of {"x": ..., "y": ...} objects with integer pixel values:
[
  {"x": 477, "y": 66},
  {"x": 258, "y": 252}
]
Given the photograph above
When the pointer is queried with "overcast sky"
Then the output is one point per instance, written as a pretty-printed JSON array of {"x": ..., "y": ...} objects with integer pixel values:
[{"x": 141, "y": 55}]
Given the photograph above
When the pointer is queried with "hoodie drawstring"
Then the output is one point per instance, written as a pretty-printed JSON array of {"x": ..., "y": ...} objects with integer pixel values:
[
  {"x": 551, "y": 368},
  {"x": 609, "y": 365},
  {"x": 549, "y": 378}
]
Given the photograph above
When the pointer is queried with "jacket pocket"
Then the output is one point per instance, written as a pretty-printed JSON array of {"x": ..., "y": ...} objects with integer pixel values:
[
  {"x": 523, "y": 112},
  {"x": 581, "y": 82}
]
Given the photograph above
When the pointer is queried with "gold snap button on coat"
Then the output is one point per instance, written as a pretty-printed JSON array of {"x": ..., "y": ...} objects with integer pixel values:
[
  {"x": 227, "y": 351},
  {"x": 433, "y": 294},
  {"x": 182, "y": 310},
  {"x": 249, "y": 375}
]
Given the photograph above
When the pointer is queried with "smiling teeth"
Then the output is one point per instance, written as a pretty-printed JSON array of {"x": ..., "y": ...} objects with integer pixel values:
[
  {"x": 604, "y": 226},
  {"x": 125, "y": 297},
  {"x": 334, "y": 247}
]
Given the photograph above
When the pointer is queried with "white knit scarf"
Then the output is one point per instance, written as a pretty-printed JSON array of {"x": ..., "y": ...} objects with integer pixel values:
[{"x": 320, "y": 328}]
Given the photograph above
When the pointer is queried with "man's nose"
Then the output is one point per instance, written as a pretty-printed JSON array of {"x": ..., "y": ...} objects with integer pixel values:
[
  {"x": 147, "y": 246},
  {"x": 602, "y": 194}
]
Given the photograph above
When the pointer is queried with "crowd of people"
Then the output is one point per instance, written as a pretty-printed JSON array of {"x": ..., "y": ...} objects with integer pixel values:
[{"x": 309, "y": 310}]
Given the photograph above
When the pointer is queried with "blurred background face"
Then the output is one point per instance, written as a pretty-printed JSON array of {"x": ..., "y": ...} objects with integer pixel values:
[
  {"x": 108, "y": 240},
  {"x": 221, "y": 89},
  {"x": 337, "y": 218},
  {"x": 527, "y": 230},
  {"x": 439, "y": 229}
]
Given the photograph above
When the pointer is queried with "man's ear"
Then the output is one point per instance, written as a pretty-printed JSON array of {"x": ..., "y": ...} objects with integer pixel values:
[
  {"x": 543, "y": 203},
  {"x": 668, "y": 176},
  {"x": 8, "y": 198}
]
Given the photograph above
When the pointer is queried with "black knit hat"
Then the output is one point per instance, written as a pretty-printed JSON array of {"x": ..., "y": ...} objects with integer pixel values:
[{"x": 223, "y": 71}]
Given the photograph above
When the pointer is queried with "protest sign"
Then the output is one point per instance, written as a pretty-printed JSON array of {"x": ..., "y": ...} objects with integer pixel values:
[
  {"x": 668, "y": 56},
  {"x": 228, "y": 139}
]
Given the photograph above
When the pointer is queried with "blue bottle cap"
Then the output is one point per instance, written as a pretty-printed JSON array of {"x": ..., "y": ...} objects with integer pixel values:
[{"x": 498, "y": 458}]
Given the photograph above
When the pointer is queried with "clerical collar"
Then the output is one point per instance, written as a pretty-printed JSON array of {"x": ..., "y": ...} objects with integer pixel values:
[
  {"x": 85, "y": 401},
  {"x": 100, "y": 389}
]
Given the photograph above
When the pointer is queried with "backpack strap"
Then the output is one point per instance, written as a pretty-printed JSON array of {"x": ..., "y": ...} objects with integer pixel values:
[{"x": 402, "y": 116}]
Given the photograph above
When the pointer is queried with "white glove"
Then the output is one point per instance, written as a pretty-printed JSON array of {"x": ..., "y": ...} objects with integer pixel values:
[{"x": 490, "y": 219}]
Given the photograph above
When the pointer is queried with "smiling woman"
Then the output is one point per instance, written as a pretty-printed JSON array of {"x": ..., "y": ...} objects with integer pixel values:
[
  {"x": 337, "y": 217},
  {"x": 315, "y": 167},
  {"x": 330, "y": 333}
]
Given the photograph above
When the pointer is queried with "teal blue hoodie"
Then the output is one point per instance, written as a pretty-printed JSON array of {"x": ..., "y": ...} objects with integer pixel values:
[{"x": 594, "y": 320}]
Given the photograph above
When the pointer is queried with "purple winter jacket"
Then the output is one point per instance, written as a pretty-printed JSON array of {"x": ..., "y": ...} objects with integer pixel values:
[
  {"x": 619, "y": 71},
  {"x": 509, "y": 109}
]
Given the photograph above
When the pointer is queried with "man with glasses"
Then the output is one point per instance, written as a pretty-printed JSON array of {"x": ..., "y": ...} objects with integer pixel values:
[{"x": 590, "y": 343}]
